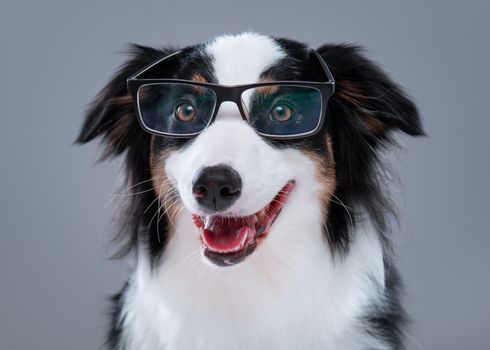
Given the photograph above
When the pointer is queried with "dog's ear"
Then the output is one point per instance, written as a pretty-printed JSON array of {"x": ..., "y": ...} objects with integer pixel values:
[
  {"x": 366, "y": 108},
  {"x": 111, "y": 114},
  {"x": 365, "y": 91}
]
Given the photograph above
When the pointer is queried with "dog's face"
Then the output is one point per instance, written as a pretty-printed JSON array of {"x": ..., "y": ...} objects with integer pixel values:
[
  {"x": 233, "y": 195},
  {"x": 239, "y": 187}
]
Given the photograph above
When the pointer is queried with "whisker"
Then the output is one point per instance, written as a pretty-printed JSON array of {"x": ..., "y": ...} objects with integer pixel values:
[
  {"x": 151, "y": 220},
  {"x": 344, "y": 206},
  {"x": 127, "y": 195},
  {"x": 179, "y": 211},
  {"x": 153, "y": 201},
  {"x": 167, "y": 211},
  {"x": 159, "y": 210},
  {"x": 122, "y": 193}
]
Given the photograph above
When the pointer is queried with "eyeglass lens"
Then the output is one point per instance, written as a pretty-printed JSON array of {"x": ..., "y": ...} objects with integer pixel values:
[
  {"x": 174, "y": 108},
  {"x": 283, "y": 110}
]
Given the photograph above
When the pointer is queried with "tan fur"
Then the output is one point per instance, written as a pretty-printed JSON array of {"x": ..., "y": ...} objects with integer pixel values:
[
  {"x": 169, "y": 200},
  {"x": 354, "y": 96},
  {"x": 267, "y": 90},
  {"x": 199, "y": 78},
  {"x": 120, "y": 127},
  {"x": 123, "y": 123},
  {"x": 325, "y": 175}
]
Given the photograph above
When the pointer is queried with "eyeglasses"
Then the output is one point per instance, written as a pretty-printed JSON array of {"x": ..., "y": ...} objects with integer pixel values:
[{"x": 184, "y": 108}]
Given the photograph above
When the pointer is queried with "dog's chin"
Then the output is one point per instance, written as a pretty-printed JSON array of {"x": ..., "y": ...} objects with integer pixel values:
[{"x": 229, "y": 240}]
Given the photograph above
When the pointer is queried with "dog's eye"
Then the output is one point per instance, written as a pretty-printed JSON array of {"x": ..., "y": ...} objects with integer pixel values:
[
  {"x": 281, "y": 113},
  {"x": 185, "y": 112}
]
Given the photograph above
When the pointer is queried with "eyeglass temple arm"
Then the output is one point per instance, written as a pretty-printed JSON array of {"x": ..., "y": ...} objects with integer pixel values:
[
  {"x": 150, "y": 66},
  {"x": 326, "y": 70}
]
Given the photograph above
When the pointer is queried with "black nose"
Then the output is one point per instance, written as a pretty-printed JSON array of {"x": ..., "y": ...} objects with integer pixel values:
[{"x": 216, "y": 188}]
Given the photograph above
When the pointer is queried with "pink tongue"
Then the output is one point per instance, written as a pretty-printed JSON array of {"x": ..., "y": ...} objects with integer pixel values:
[{"x": 226, "y": 234}]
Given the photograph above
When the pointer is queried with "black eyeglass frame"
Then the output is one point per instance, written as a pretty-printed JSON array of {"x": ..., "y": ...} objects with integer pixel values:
[{"x": 231, "y": 93}]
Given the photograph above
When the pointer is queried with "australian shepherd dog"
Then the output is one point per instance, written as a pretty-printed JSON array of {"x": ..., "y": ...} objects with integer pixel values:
[{"x": 255, "y": 205}]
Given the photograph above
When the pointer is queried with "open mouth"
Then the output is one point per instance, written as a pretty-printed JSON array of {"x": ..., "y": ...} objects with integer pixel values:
[{"x": 229, "y": 240}]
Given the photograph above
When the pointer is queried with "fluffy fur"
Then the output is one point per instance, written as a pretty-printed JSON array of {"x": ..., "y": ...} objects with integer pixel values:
[{"x": 324, "y": 277}]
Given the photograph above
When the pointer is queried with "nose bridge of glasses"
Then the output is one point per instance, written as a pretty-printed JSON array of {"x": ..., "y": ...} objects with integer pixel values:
[
  {"x": 228, "y": 110},
  {"x": 231, "y": 102}
]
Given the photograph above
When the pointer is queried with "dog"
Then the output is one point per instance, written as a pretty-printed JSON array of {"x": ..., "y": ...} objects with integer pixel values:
[{"x": 255, "y": 204}]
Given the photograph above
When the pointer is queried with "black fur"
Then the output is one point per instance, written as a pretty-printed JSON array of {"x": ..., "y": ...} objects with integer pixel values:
[
  {"x": 114, "y": 335},
  {"x": 364, "y": 94},
  {"x": 389, "y": 320},
  {"x": 361, "y": 116}
]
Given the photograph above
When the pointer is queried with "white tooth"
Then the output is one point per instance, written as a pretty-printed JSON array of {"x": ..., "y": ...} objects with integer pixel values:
[
  {"x": 207, "y": 221},
  {"x": 262, "y": 212},
  {"x": 242, "y": 243}
]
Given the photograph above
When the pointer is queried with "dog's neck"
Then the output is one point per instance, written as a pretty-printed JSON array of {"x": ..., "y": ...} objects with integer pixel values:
[{"x": 308, "y": 299}]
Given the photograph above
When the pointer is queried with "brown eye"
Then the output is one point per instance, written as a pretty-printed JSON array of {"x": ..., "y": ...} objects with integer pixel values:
[
  {"x": 281, "y": 113},
  {"x": 185, "y": 112}
]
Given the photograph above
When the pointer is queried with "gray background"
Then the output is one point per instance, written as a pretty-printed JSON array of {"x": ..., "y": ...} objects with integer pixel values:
[{"x": 55, "y": 274}]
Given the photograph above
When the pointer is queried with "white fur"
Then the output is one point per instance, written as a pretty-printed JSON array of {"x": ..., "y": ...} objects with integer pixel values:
[
  {"x": 239, "y": 59},
  {"x": 290, "y": 293}
]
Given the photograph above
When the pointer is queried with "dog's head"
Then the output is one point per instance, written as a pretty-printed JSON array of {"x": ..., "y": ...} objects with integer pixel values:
[{"x": 237, "y": 186}]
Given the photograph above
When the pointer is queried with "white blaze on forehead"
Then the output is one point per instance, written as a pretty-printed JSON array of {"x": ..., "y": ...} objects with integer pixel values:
[{"x": 240, "y": 59}]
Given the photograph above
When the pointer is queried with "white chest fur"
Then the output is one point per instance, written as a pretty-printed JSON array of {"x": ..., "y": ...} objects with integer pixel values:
[{"x": 304, "y": 300}]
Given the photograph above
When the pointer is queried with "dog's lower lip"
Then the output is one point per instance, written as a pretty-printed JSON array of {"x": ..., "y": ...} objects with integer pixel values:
[{"x": 229, "y": 240}]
